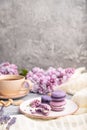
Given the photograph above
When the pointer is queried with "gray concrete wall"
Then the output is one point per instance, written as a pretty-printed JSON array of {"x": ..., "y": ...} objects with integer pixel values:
[{"x": 43, "y": 33}]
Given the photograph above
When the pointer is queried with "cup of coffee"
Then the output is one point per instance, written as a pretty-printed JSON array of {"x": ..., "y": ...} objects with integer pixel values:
[{"x": 11, "y": 85}]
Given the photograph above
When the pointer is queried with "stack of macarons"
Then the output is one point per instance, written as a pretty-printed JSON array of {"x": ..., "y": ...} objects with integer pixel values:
[{"x": 58, "y": 102}]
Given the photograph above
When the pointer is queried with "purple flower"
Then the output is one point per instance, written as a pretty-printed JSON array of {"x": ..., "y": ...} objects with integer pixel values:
[
  {"x": 6, "y": 119},
  {"x": 10, "y": 123},
  {"x": 44, "y": 81},
  {"x": 7, "y": 68}
]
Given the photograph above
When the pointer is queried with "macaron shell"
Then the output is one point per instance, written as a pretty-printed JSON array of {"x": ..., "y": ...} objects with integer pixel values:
[
  {"x": 57, "y": 109},
  {"x": 58, "y": 94},
  {"x": 58, "y": 104}
]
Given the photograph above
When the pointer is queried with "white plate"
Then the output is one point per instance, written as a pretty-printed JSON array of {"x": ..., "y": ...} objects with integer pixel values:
[{"x": 70, "y": 108}]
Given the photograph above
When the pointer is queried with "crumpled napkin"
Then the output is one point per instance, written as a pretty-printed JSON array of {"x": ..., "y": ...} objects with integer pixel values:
[
  {"x": 77, "y": 82},
  {"x": 80, "y": 98}
]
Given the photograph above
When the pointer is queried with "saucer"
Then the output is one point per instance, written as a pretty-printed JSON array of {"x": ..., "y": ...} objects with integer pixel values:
[
  {"x": 19, "y": 95},
  {"x": 70, "y": 108}
]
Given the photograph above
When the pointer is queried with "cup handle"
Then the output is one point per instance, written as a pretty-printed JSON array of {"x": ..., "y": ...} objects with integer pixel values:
[{"x": 26, "y": 86}]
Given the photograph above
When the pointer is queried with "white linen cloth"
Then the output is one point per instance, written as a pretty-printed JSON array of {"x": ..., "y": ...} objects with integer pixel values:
[
  {"x": 80, "y": 98},
  {"x": 77, "y": 82},
  {"x": 71, "y": 122}
]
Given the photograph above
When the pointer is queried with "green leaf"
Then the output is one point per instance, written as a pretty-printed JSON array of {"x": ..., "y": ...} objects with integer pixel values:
[{"x": 23, "y": 72}]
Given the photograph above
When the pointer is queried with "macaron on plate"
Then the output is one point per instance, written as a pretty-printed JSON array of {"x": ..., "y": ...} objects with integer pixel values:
[{"x": 69, "y": 108}]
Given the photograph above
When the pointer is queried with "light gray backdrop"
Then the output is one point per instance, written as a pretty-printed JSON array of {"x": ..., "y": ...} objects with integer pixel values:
[{"x": 43, "y": 33}]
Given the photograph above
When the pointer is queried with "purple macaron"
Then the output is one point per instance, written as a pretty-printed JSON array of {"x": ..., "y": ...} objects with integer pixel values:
[
  {"x": 58, "y": 95},
  {"x": 45, "y": 99}
]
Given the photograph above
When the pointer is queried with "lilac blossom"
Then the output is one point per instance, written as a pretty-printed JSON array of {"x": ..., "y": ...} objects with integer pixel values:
[
  {"x": 7, "y": 68},
  {"x": 10, "y": 123},
  {"x": 6, "y": 120},
  {"x": 45, "y": 81}
]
